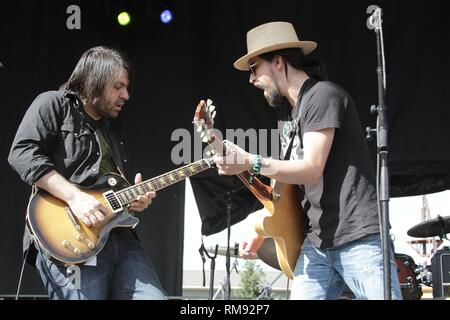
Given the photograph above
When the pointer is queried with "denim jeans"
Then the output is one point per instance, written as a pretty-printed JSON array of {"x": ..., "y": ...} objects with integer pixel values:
[
  {"x": 123, "y": 271},
  {"x": 322, "y": 274}
]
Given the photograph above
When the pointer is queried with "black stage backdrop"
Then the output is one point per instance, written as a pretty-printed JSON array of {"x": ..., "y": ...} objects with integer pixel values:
[{"x": 178, "y": 64}]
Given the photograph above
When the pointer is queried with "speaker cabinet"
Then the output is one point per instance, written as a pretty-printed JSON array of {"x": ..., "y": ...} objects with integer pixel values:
[{"x": 440, "y": 268}]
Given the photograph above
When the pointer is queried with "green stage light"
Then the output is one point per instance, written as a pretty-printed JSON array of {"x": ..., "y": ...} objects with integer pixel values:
[{"x": 124, "y": 18}]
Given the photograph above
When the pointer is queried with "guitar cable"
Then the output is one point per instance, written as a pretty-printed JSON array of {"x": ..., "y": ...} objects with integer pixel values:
[
  {"x": 287, "y": 289},
  {"x": 202, "y": 254},
  {"x": 21, "y": 274},
  {"x": 47, "y": 271}
]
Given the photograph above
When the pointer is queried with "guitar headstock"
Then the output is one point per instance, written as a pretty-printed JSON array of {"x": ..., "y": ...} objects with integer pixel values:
[{"x": 204, "y": 120}]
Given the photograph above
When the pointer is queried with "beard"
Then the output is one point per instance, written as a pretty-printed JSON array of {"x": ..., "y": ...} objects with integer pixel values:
[
  {"x": 274, "y": 98},
  {"x": 273, "y": 95},
  {"x": 104, "y": 108}
]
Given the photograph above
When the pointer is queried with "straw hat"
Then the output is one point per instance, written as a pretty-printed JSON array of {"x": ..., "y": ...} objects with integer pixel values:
[{"x": 269, "y": 37}]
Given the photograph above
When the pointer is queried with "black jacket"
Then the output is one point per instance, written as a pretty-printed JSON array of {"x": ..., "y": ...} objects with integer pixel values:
[{"x": 56, "y": 134}]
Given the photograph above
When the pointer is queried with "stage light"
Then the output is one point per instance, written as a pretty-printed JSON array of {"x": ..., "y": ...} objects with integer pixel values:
[
  {"x": 124, "y": 18},
  {"x": 166, "y": 16}
]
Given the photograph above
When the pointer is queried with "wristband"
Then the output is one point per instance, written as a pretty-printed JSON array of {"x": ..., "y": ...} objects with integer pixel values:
[{"x": 256, "y": 165}]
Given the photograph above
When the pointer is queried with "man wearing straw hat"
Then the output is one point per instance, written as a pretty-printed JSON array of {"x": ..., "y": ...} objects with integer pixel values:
[{"x": 329, "y": 159}]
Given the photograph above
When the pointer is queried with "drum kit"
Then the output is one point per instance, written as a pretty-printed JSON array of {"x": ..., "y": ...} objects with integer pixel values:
[{"x": 412, "y": 276}]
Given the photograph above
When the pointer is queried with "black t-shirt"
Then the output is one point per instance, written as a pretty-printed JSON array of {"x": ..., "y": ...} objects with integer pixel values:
[
  {"x": 341, "y": 207},
  {"x": 107, "y": 164}
]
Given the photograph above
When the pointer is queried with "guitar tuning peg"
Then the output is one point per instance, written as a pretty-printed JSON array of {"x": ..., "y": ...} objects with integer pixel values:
[
  {"x": 208, "y": 102},
  {"x": 213, "y": 115},
  {"x": 198, "y": 129}
]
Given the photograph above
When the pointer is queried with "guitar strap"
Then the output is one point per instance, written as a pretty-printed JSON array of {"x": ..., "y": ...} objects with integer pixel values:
[{"x": 308, "y": 84}]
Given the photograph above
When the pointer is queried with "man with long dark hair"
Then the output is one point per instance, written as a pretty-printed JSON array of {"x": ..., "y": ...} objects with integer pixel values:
[
  {"x": 72, "y": 137},
  {"x": 329, "y": 160}
]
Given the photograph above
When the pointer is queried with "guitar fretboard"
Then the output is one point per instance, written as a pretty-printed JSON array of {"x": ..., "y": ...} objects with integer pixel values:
[{"x": 128, "y": 195}]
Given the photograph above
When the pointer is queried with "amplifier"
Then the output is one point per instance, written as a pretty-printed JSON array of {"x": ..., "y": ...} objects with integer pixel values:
[{"x": 440, "y": 268}]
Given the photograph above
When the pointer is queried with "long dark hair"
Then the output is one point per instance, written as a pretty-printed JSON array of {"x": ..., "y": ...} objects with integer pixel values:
[
  {"x": 97, "y": 68},
  {"x": 314, "y": 68}
]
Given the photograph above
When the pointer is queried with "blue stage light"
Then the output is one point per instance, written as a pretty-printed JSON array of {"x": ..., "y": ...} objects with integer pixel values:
[{"x": 166, "y": 16}]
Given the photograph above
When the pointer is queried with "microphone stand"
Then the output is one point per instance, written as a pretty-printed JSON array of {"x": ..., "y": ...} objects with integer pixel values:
[
  {"x": 374, "y": 22},
  {"x": 226, "y": 285},
  {"x": 229, "y": 201}
]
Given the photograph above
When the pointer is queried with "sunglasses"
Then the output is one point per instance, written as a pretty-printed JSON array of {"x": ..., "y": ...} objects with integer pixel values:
[{"x": 252, "y": 67}]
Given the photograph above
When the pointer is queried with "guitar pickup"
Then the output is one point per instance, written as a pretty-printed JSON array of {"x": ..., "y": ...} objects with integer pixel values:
[{"x": 113, "y": 202}]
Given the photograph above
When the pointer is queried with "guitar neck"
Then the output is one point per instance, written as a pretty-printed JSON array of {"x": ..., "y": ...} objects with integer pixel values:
[
  {"x": 128, "y": 195},
  {"x": 259, "y": 189},
  {"x": 204, "y": 123}
]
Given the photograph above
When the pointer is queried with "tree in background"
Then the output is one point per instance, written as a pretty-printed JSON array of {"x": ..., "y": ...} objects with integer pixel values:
[{"x": 252, "y": 281}]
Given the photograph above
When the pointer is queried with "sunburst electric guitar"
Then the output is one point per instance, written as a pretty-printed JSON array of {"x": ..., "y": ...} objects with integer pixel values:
[
  {"x": 62, "y": 235},
  {"x": 285, "y": 219}
]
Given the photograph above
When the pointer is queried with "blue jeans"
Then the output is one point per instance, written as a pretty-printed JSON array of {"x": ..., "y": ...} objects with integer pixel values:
[
  {"x": 322, "y": 274},
  {"x": 123, "y": 271}
]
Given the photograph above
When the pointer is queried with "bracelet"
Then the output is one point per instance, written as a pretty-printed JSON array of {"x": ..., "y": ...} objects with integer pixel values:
[{"x": 256, "y": 165}]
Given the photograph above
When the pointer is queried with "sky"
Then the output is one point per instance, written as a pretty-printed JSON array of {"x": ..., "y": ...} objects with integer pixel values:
[{"x": 404, "y": 213}]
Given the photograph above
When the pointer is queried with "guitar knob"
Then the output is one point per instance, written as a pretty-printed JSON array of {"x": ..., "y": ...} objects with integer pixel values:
[
  {"x": 91, "y": 245},
  {"x": 76, "y": 251},
  {"x": 66, "y": 243},
  {"x": 80, "y": 237}
]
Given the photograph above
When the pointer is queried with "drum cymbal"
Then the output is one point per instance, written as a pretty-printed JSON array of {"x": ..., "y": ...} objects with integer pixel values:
[{"x": 439, "y": 226}]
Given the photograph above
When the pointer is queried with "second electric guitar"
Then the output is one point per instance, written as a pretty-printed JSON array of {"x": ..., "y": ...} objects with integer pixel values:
[{"x": 285, "y": 221}]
